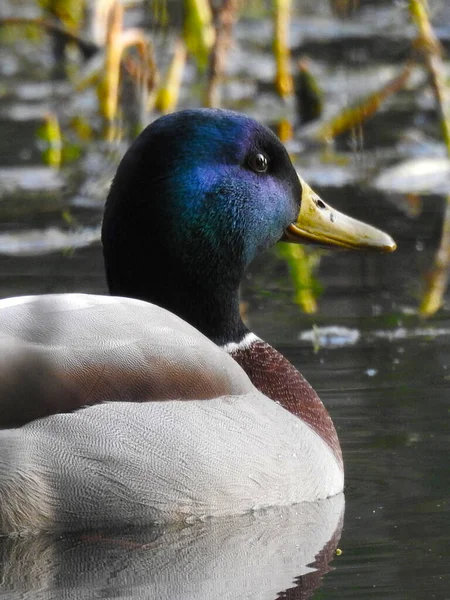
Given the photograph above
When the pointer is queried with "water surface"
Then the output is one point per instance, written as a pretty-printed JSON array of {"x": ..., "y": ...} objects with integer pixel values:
[{"x": 382, "y": 372}]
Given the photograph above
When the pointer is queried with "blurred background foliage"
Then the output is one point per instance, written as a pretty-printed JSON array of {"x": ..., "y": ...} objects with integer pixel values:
[
  {"x": 358, "y": 91},
  {"x": 111, "y": 66}
]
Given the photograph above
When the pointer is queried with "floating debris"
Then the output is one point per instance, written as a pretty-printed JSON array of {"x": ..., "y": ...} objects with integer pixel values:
[
  {"x": 371, "y": 372},
  {"x": 336, "y": 336},
  {"x": 332, "y": 336}
]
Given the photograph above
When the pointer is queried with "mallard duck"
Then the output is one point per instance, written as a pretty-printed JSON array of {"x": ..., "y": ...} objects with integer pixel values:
[{"x": 157, "y": 404}]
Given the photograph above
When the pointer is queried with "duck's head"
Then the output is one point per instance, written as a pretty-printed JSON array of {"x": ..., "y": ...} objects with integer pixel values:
[{"x": 197, "y": 196}]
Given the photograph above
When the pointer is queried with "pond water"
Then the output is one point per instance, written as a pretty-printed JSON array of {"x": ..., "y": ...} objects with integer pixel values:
[{"x": 381, "y": 370}]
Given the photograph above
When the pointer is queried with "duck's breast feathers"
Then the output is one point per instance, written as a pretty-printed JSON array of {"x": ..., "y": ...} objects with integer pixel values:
[
  {"x": 61, "y": 352},
  {"x": 273, "y": 375}
]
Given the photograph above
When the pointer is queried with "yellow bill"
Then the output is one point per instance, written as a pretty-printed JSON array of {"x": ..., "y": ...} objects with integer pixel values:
[{"x": 321, "y": 224}]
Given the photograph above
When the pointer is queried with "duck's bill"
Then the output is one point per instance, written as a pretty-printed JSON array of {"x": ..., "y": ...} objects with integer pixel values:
[{"x": 319, "y": 223}]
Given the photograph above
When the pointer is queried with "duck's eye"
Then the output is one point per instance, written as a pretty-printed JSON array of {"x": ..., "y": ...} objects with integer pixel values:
[{"x": 258, "y": 163}]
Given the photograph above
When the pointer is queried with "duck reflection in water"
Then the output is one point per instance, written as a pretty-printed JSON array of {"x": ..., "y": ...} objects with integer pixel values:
[{"x": 271, "y": 554}]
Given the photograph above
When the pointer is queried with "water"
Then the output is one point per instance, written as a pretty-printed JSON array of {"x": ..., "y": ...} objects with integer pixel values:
[
  {"x": 391, "y": 404},
  {"x": 389, "y": 401},
  {"x": 382, "y": 372}
]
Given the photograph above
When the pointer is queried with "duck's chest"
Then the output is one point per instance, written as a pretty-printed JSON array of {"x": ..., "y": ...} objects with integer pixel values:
[{"x": 278, "y": 379}]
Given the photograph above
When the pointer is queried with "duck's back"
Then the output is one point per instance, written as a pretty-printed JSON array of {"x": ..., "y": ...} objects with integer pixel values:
[{"x": 64, "y": 351}]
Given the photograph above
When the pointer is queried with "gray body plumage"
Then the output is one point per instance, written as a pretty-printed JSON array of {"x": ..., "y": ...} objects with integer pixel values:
[{"x": 118, "y": 463}]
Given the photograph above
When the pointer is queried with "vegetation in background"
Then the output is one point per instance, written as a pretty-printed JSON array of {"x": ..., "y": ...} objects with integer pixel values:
[
  {"x": 362, "y": 109},
  {"x": 283, "y": 79},
  {"x": 224, "y": 18},
  {"x": 428, "y": 45},
  {"x": 114, "y": 56},
  {"x": 302, "y": 263},
  {"x": 50, "y": 135},
  {"x": 309, "y": 94}
]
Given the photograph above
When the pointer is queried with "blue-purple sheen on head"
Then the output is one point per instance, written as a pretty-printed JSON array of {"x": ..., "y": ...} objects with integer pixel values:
[
  {"x": 187, "y": 213},
  {"x": 216, "y": 202}
]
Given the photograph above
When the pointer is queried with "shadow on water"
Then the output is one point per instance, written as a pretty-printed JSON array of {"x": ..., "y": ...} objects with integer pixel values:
[{"x": 381, "y": 371}]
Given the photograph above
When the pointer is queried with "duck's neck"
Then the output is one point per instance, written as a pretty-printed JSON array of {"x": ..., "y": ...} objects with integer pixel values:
[
  {"x": 217, "y": 315},
  {"x": 278, "y": 379},
  {"x": 211, "y": 307}
]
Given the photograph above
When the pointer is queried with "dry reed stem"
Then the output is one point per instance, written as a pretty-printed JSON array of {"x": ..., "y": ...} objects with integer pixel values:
[
  {"x": 301, "y": 264},
  {"x": 109, "y": 88},
  {"x": 168, "y": 94},
  {"x": 283, "y": 79},
  {"x": 225, "y": 19},
  {"x": 358, "y": 113},
  {"x": 87, "y": 47},
  {"x": 428, "y": 44}
]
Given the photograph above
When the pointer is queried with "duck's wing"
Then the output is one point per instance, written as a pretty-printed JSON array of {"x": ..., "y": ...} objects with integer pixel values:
[{"x": 61, "y": 352}]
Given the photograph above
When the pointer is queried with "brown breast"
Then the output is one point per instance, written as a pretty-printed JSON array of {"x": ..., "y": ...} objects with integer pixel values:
[{"x": 274, "y": 375}]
